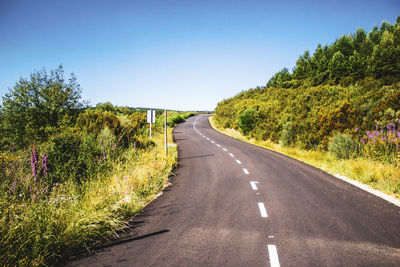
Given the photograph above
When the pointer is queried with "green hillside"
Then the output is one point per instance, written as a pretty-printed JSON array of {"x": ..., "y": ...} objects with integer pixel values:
[{"x": 349, "y": 89}]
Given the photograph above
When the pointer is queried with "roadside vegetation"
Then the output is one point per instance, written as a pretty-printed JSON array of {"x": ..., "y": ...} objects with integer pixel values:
[
  {"x": 71, "y": 175},
  {"x": 339, "y": 108}
]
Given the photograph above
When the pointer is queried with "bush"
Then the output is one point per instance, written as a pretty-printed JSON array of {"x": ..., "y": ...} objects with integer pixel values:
[
  {"x": 174, "y": 120},
  {"x": 246, "y": 120},
  {"x": 342, "y": 145},
  {"x": 287, "y": 137}
]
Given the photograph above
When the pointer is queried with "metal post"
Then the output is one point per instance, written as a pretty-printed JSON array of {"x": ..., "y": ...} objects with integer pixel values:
[
  {"x": 150, "y": 130},
  {"x": 165, "y": 126}
]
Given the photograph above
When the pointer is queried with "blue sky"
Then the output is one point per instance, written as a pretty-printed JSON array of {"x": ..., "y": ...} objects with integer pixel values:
[{"x": 175, "y": 54}]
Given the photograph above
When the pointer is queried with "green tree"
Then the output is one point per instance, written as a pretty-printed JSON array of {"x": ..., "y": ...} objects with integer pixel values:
[
  {"x": 337, "y": 67},
  {"x": 385, "y": 59},
  {"x": 39, "y": 106},
  {"x": 302, "y": 69},
  {"x": 281, "y": 78}
]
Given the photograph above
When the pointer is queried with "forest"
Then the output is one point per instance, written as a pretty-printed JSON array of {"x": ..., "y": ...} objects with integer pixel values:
[{"x": 344, "y": 98}]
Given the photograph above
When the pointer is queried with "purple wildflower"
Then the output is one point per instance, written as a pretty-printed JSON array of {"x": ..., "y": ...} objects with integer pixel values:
[
  {"x": 356, "y": 129},
  {"x": 44, "y": 164},
  {"x": 13, "y": 186},
  {"x": 104, "y": 155}
]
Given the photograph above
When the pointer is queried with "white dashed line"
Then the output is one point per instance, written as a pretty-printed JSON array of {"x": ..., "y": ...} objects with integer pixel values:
[
  {"x": 218, "y": 145},
  {"x": 238, "y": 161},
  {"x": 273, "y": 256},
  {"x": 245, "y": 171},
  {"x": 224, "y": 149},
  {"x": 254, "y": 185},
  {"x": 263, "y": 211},
  {"x": 208, "y": 139},
  {"x": 230, "y": 154},
  {"x": 213, "y": 142}
]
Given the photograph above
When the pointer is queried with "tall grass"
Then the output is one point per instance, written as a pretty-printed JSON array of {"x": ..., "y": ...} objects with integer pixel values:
[
  {"x": 377, "y": 174},
  {"x": 73, "y": 216}
]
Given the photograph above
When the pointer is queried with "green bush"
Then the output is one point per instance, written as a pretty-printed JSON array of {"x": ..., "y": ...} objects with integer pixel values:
[
  {"x": 174, "y": 120},
  {"x": 287, "y": 136},
  {"x": 188, "y": 115},
  {"x": 246, "y": 120},
  {"x": 342, "y": 145}
]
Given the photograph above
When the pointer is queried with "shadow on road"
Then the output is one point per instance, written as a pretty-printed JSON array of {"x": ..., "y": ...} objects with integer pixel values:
[
  {"x": 201, "y": 156},
  {"x": 126, "y": 240}
]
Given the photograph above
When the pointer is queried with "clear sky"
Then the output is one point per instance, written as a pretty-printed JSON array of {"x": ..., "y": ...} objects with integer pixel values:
[{"x": 175, "y": 54}]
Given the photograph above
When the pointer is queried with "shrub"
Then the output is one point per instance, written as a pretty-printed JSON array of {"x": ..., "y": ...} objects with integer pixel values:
[
  {"x": 174, "y": 120},
  {"x": 342, "y": 145},
  {"x": 287, "y": 136},
  {"x": 246, "y": 120}
]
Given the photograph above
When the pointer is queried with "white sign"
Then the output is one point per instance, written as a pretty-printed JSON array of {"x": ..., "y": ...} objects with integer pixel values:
[{"x": 151, "y": 116}]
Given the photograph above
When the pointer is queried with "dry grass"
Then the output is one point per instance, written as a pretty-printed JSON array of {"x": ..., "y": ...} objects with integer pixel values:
[
  {"x": 378, "y": 175},
  {"x": 76, "y": 217}
]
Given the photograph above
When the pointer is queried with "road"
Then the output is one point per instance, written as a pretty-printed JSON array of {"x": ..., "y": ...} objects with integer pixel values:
[{"x": 235, "y": 204}]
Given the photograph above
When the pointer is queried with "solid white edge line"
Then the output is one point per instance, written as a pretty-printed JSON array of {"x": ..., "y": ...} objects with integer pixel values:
[
  {"x": 254, "y": 185},
  {"x": 273, "y": 256},
  {"x": 263, "y": 211},
  {"x": 367, "y": 188},
  {"x": 245, "y": 171}
]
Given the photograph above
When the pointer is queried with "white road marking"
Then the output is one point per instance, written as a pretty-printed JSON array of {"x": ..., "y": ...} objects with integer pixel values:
[
  {"x": 208, "y": 139},
  {"x": 245, "y": 171},
  {"x": 230, "y": 154},
  {"x": 194, "y": 124},
  {"x": 271, "y": 236},
  {"x": 238, "y": 161},
  {"x": 273, "y": 256},
  {"x": 224, "y": 149},
  {"x": 218, "y": 145},
  {"x": 212, "y": 142},
  {"x": 254, "y": 185},
  {"x": 263, "y": 211}
]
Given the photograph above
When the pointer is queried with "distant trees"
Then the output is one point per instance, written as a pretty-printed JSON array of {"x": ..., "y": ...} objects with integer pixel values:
[
  {"x": 351, "y": 84},
  {"x": 38, "y": 106},
  {"x": 349, "y": 60}
]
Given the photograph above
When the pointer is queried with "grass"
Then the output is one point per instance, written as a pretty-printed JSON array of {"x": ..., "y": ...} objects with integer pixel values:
[
  {"x": 378, "y": 175},
  {"x": 76, "y": 217}
]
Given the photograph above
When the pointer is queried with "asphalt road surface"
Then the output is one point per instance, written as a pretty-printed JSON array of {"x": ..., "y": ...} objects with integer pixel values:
[{"x": 235, "y": 204}]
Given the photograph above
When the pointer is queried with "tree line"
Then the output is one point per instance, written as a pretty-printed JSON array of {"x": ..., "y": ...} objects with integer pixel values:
[{"x": 350, "y": 86}]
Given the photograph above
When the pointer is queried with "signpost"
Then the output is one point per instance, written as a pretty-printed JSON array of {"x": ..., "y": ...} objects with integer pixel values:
[
  {"x": 166, "y": 139},
  {"x": 151, "y": 118}
]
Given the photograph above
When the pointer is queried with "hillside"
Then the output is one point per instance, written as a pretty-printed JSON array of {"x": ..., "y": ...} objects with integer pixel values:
[{"x": 351, "y": 86}]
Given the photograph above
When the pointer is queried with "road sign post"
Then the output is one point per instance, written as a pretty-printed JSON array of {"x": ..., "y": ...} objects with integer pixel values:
[
  {"x": 151, "y": 118},
  {"x": 165, "y": 127}
]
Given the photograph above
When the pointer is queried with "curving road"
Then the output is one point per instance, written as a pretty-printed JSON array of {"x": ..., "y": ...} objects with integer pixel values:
[{"x": 235, "y": 204}]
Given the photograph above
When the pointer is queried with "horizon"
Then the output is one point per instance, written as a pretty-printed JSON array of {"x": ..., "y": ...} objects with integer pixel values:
[{"x": 178, "y": 55}]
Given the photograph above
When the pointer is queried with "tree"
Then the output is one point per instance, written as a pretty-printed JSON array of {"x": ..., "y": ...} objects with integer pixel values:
[
  {"x": 39, "y": 106},
  {"x": 302, "y": 69},
  {"x": 385, "y": 60},
  {"x": 280, "y": 78},
  {"x": 337, "y": 67}
]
